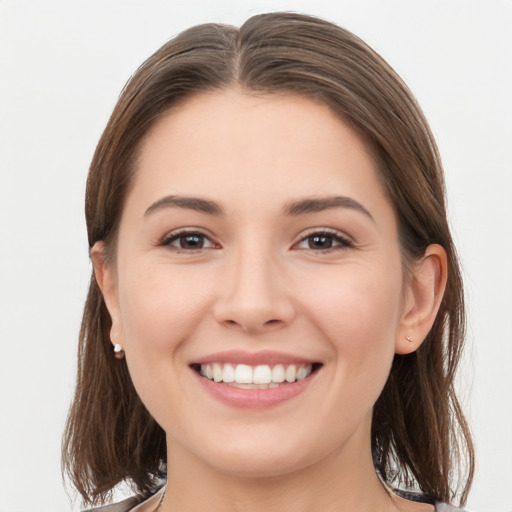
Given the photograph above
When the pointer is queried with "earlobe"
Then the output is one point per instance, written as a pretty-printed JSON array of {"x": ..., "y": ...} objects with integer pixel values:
[{"x": 423, "y": 298}]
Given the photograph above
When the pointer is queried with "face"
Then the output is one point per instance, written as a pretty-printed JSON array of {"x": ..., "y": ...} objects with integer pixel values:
[{"x": 258, "y": 288}]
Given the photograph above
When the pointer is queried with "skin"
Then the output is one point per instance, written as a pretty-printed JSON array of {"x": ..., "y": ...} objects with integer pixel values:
[{"x": 259, "y": 284}]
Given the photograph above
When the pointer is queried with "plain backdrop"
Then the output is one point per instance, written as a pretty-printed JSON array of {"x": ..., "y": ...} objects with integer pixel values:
[{"x": 62, "y": 66}]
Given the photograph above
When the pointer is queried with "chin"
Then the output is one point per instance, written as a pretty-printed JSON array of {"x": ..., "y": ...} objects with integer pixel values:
[
  {"x": 257, "y": 457},
  {"x": 259, "y": 466}
]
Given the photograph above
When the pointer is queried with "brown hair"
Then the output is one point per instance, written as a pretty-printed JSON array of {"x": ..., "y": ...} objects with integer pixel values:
[{"x": 419, "y": 433}]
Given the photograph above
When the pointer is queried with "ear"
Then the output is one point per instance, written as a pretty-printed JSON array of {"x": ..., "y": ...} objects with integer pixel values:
[
  {"x": 423, "y": 295},
  {"x": 104, "y": 273}
]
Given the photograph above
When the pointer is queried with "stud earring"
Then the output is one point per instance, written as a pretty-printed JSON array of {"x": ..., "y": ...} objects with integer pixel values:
[
  {"x": 409, "y": 339},
  {"x": 118, "y": 351}
]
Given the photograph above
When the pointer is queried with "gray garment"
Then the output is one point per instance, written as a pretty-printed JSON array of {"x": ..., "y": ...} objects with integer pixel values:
[{"x": 122, "y": 506}]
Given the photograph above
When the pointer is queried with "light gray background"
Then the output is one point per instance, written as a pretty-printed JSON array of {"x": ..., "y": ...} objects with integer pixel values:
[{"x": 62, "y": 65}]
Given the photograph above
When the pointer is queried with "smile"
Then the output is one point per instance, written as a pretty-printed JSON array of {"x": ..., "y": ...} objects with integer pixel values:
[
  {"x": 262, "y": 376},
  {"x": 260, "y": 380}
]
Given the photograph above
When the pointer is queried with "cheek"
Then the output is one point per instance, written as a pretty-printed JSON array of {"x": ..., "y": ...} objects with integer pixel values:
[
  {"x": 356, "y": 301},
  {"x": 358, "y": 312},
  {"x": 158, "y": 307},
  {"x": 160, "y": 311}
]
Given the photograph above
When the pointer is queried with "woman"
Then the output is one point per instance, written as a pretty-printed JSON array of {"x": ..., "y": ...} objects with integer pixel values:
[{"x": 276, "y": 312}]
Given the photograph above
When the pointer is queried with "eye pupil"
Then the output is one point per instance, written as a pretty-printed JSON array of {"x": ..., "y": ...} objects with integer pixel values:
[
  {"x": 320, "y": 242},
  {"x": 191, "y": 241}
]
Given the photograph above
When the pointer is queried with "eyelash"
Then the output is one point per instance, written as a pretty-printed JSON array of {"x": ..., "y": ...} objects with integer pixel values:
[{"x": 335, "y": 237}]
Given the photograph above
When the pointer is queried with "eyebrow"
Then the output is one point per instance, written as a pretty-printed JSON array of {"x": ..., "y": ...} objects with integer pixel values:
[
  {"x": 191, "y": 203},
  {"x": 301, "y": 207},
  {"x": 319, "y": 204}
]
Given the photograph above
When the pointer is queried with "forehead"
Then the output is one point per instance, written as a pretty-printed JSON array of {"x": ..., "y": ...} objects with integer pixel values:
[{"x": 236, "y": 146}]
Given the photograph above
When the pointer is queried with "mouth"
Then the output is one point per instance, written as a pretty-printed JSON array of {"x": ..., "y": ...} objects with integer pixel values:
[{"x": 261, "y": 376}]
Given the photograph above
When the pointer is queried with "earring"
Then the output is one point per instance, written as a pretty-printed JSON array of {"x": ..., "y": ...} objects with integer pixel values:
[
  {"x": 409, "y": 339},
  {"x": 118, "y": 351}
]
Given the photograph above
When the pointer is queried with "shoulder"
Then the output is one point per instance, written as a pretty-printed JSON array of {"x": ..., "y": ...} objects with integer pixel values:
[
  {"x": 133, "y": 504},
  {"x": 122, "y": 506},
  {"x": 425, "y": 498}
]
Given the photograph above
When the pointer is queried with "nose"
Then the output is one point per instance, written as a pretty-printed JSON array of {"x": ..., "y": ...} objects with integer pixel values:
[{"x": 253, "y": 295}]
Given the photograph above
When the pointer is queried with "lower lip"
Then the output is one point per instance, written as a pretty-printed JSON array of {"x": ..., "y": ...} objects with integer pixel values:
[{"x": 254, "y": 398}]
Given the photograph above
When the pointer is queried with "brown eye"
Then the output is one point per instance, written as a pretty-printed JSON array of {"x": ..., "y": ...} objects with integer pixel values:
[
  {"x": 324, "y": 241},
  {"x": 188, "y": 241},
  {"x": 320, "y": 241},
  {"x": 194, "y": 241}
]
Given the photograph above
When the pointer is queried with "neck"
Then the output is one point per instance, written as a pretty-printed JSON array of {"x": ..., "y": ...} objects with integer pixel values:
[{"x": 343, "y": 481}]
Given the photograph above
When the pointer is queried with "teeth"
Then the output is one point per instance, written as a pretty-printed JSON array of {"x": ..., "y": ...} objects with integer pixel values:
[
  {"x": 278, "y": 373},
  {"x": 290, "y": 374},
  {"x": 262, "y": 374},
  {"x": 258, "y": 377},
  {"x": 243, "y": 374},
  {"x": 217, "y": 372},
  {"x": 271, "y": 385},
  {"x": 228, "y": 374},
  {"x": 302, "y": 373},
  {"x": 244, "y": 386}
]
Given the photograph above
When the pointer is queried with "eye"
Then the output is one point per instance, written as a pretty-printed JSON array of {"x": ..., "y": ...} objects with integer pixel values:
[
  {"x": 188, "y": 241},
  {"x": 324, "y": 241}
]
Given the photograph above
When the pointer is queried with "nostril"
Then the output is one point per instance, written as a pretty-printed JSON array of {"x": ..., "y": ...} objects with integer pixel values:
[
  {"x": 266, "y": 323},
  {"x": 252, "y": 317}
]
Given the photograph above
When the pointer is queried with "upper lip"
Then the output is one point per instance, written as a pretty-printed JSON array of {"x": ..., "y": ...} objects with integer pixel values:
[{"x": 267, "y": 357}]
